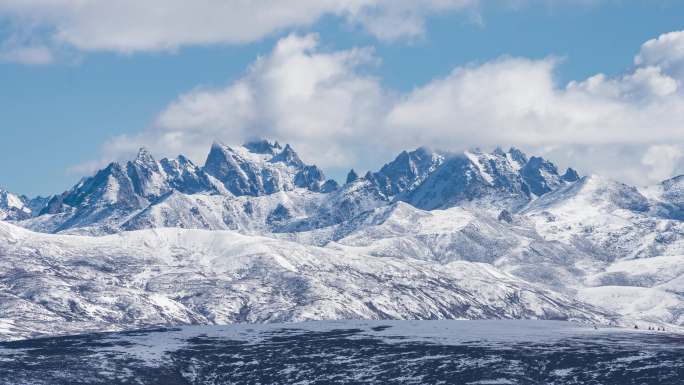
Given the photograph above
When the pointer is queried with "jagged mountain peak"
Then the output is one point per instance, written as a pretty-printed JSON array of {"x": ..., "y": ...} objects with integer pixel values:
[
  {"x": 261, "y": 168},
  {"x": 179, "y": 161},
  {"x": 263, "y": 146},
  {"x": 144, "y": 156},
  {"x": 288, "y": 156},
  {"x": 352, "y": 176},
  {"x": 406, "y": 171},
  {"x": 517, "y": 155},
  {"x": 216, "y": 145},
  {"x": 570, "y": 175},
  {"x": 423, "y": 177},
  {"x": 13, "y": 207},
  {"x": 674, "y": 183},
  {"x": 503, "y": 179}
]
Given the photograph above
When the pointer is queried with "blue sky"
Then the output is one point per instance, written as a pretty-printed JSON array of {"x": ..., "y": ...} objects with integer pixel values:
[{"x": 65, "y": 113}]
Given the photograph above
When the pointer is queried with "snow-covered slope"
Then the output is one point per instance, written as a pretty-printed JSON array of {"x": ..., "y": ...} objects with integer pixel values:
[
  {"x": 145, "y": 193},
  {"x": 461, "y": 234},
  {"x": 499, "y": 179},
  {"x": 607, "y": 219},
  {"x": 648, "y": 288},
  {"x": 13, "y": 207},
  {"x": 60, "y": 283},
  {"x": 260, "y": 168},
  {"x": 429, "y": 235}
]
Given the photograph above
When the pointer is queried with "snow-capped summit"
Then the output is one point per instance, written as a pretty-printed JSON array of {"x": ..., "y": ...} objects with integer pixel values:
[
  {"x": 261, "y": 168},
  {"x": 503, "y": 179},
  {"x": 112, "y": 193},
  {"x": 13, "y": 207},
  {"x": 124, "y": 195},
  {"x": 263, "y": 146},
  {"x": 406, "y": 171},
  {"x": 540, "y": 175},
  {"x": 288, "y": 156},
  {"x": 184, "y": 176},
  {"x": 593, "y": 191},
  {"x": 352, "y": 176},
  {"x": 144, "y": 157},
  {"x": 669, "y": 196},
  {"x": 117, "y": 196},
  {"x": 148, "y": 177}
]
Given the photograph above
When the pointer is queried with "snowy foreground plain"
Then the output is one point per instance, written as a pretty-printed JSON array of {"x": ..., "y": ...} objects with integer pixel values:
[{"x": 379, "y": 352}]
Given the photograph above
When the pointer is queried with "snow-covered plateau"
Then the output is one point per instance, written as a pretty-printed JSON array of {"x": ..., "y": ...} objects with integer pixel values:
[
  {"x": 502, "y": 352},
  {"x": 257, "y": 235}
]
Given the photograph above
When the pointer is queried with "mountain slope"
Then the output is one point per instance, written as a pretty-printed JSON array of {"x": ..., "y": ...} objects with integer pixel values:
[
  {"x": 123, "y": 196},
  {"x": 429, "y": 235},
  {"x": 607, "y": 219},
  {"x": 13, "y": 207},
  {"x": 499, "y": 179},
  {"x": 60, "y": 283}
]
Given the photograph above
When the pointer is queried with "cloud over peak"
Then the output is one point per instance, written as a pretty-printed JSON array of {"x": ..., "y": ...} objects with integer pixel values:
[{"x": 338, "y": 115}]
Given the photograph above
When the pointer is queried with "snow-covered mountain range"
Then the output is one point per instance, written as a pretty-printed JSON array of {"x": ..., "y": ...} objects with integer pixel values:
[{"x": 257, "y": 235}]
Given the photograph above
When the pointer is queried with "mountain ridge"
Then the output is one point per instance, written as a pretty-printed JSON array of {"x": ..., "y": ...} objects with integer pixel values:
[
  {"x": 106, "y": 201},
  {"x": 258, "y": 235}
]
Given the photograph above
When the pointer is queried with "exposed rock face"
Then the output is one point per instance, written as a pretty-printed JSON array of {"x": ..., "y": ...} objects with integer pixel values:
[
  {"x": 13, "y": 207},
  {"x": 352, "y": 176},
  {"x": 505, "y": 216}
]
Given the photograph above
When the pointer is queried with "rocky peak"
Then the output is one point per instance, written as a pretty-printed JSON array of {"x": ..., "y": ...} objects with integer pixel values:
[
  {"x": 13, "y": 207},
  {"x": 505, "y": 216},
  {"x": 406, "y": 171},
  {"x": 147, "y": 176},
  {"x": 144, "y": 157},
  {"x": 507, "y": 180},
  {"x": 263, "y": 146},
  {"x": 309, "y": 177},
  {"x": 183, "y": 175},
  {"x": 242, "y": 171},
  {"x": 540, "y": 175},
  {"x": 217, "y": 155},
  {"x": 352, "y": 176},
  {"x": 570, "y": 175},
  {"x": 288, "y": 156},
  {"x": 517, "y": 156}
]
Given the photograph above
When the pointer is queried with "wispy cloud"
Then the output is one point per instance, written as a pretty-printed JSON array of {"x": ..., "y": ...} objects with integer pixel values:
[{"x": 31, "y": 55}]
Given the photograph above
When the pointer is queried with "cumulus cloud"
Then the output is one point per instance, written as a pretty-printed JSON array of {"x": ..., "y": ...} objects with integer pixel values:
[
  {"x": 153, "y": 25},
  {"x": 666, "y": 52},
  {"x": 338, "y": 115},
  {"x": 316, "y": 100}
]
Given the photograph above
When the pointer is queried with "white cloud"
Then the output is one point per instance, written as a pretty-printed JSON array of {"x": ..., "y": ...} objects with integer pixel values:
[
  {"x": 337, "y": 115},
  {"x": 315, "y": 100},
  {"x": 665, "y": 52},
  {"x": 663, "y": 160},
  {"x": 31, "y": 55},
  {"x": 394, "y": 19},
  {"x": 152, "y": 25}
]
